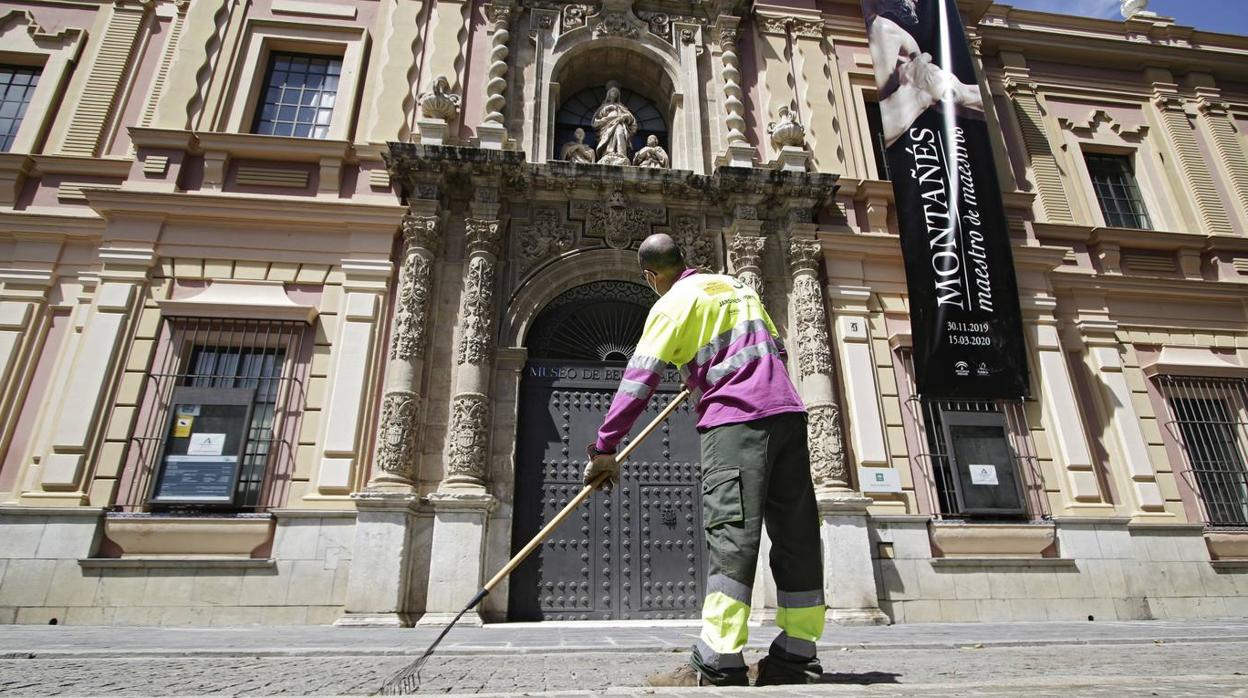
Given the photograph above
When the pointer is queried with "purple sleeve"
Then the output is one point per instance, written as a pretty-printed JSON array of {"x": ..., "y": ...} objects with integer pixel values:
[{"x": 640, "y": 379}]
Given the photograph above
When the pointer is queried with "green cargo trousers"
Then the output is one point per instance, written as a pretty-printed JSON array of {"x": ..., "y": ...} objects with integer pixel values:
[{"x": 757, "y": 473}]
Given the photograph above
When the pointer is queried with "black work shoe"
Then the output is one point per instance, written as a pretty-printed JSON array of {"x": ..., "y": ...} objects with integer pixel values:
[
  {"x": 773, "y": 671},
  {"x": 686, "y": 676}
]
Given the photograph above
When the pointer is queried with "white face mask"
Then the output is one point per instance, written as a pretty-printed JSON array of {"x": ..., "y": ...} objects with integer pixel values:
[{"x": 645, "y": 274}]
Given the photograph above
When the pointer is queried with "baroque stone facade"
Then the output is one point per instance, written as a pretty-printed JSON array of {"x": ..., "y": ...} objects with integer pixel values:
[{"x": 371, "y": 277}]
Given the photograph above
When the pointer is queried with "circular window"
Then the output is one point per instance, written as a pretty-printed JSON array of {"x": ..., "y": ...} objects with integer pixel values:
[
  {"x": 578, "y": 112},
  {"x": 600, "y": 321}
]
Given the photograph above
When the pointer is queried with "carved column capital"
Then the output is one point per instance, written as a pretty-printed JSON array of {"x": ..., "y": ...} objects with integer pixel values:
[
  {"x": 485, "y": 236},
  {"x": 805, "y": 255},
  {"x": 745, "y": 255},
  {"x": 424, "y": 232}
]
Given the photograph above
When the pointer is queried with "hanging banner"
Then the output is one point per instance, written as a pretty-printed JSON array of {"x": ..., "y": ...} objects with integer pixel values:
[{"x": 964, "y": 314}]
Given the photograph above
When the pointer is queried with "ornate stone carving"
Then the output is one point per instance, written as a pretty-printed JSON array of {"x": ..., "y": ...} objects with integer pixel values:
[
  {"x": 439, "y": 103},
  {"x": 827, "y": 455},
  {"x": 496, "y": 87},
  {"x": 808, "y": 28},
  {"x": 747, "y": 212},
  {"x": 617, "y": 222},
  {"x": 745, "y": 253},
  {"x": 615, "y": 24},
  {"x": 476, "y": 312},
  {"x": 660, "y": 24},
  {"x": 799, "y": 215},
  {"x": 688, "y": 36},
  {"x": 469, "y": 438},
  {"x": 786, "y": 130},
  {"x": 483, "y": 235},
  {"x": 728, "y": 38},
  {"x": 814, "y": 350},
  {"x": 412, "y": 307},
  {"x": 805, "y": 254},
  {"x": 545, "y": 236},
  {"x": 774, "y": 25},
  {"x": 396, "y": 434},
  {"x": 688, "y": 233},
  {"x": 542, "y": 20},
  {"x": 574, "y": 16},
  {"x": 422, "y": 231},
  {"x": 653, "y": 155}
]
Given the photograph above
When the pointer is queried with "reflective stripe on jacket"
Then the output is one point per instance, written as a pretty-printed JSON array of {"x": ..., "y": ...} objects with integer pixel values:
[{"x": 715, "y": 330}]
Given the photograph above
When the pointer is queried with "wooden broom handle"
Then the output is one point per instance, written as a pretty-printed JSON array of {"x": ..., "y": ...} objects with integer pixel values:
[{"x": 584, "y": 493}]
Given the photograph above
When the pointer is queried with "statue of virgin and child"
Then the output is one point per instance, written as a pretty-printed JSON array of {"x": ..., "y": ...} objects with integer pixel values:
[{"x": 615, "y": 125}]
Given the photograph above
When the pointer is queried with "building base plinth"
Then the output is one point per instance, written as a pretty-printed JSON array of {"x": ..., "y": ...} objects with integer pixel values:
[
  {"x": 849, "y": 585},
  {"x": 471, "y": 619},
  {"x": 379, "y": 583},
  {"x": 376, "y": 620},
  {"x": 858, "y": 616}
]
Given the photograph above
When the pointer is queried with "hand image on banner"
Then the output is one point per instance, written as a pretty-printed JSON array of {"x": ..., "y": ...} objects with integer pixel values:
[{"x": 964, "y": 312}]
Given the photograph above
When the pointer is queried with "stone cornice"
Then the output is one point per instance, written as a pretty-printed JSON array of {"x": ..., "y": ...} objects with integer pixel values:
[
  {"x": 80, "y": 166},
  {"x": 1163, "y": 240},
  {"x": 43, "y": 223},
  {"x": 289, "y": 210}
]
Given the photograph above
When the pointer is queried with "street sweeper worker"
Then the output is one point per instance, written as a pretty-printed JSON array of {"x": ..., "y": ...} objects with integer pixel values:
[{"x": 755, "y": 462}]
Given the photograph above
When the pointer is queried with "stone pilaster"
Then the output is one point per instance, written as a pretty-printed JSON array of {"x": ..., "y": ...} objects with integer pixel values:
[
  {"x": 739, "y": 152},
  {"x": 1194, "y": 171},
  {"x": 1102, "y": 346},
  {"x": 389, "y": 102},
  {"x": 1227, "y": 141},
  {"x": 492, "y": 133},
  {"x": 814, "y": 360},
  {"x": 401, "y": 403}
]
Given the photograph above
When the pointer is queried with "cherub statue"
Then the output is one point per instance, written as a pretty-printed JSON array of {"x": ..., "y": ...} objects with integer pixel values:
[
  {"x": 439, "y": 103},
  {"x": 577, "y": 151},
  {"x": 652, "y": 155}
]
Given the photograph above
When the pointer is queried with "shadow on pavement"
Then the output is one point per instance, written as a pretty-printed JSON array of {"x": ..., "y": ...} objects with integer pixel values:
[{"x": 863, "y": 679}]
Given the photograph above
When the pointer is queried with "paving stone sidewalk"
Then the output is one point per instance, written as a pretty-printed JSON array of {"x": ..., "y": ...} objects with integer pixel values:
[{"x": 1196, "y": 658}]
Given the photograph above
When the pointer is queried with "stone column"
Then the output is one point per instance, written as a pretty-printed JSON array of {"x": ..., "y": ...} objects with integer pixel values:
[
  {"x": 814, "y": 360},
  {"x": 849, "y": 576},
  {"x": 492, "y": 132},
  {"x": 395, "y": 454},
  {"x": 462, "y": 505},
  {"x": 745, "y": 255},
  {"x": 739, "y": 152}
]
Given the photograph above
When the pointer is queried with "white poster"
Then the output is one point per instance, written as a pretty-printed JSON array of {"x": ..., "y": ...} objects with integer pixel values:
[
  {"x": 983, "y": 474},
  {"x": 206, "y": 445}
]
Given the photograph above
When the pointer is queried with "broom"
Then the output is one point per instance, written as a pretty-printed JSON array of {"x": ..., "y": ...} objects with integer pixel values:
[{"x": 407, "y": 679}]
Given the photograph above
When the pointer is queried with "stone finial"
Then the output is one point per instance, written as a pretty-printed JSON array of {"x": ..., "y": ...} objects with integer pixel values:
[
  {"x": 439, "y": 103},
  {"x": 786, "y": 130},
  {"x": 1131, "y": 8}
]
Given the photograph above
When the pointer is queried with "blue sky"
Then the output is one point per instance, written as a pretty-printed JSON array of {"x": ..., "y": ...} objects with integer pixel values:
[{"x": 1225, "y": 16}]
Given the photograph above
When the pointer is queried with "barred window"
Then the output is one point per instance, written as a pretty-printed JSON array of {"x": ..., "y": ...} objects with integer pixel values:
[
  {"x": 1113, "y": 179},
  {"x": 299, "y": 96},
  {"x": 875, "y": 126},
  {"x": 1208, "y": 418},
  {"x": 219, "y": 417},
  {"x": 977, "y": 457},
  {"x": 17, "y": 86}
]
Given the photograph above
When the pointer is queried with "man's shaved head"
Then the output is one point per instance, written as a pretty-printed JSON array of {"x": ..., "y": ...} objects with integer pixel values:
[{"x": 660, "y": 253}]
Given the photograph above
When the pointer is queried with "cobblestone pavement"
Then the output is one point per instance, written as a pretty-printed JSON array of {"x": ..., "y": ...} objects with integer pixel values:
[{"x": 1206, "y": 659}]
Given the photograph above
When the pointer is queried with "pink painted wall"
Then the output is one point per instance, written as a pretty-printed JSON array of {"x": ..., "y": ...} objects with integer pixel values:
[
  {"x": 53, "y": 18},
  {"x": 476, "y": 72}
]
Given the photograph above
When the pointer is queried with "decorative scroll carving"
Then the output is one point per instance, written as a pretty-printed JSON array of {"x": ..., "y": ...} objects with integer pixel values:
[
  {"x": 660, "y": 24},
  {"x": 483, "y": 235},
  {"x": 827, "y": 456},
  {"x": 469, "y": 436},
  {"x": 615, "y": 221},
  {"x": 615, "y": 24},
  {"x": 440, "y": 103},
  {"x": 808, "y": 28},
  {"x": 805, "y": 255},
  {"x": 476, "y": 312},
  {"x": 574, "y": 16},
  {"x": 545, "y": 236},
  {"x": 745, "y": 253},
  {"x": 420, "y": 244},
  {"x": 396, "y": 434},
  {"x": 496, "y": 87},
  {"x": 774, "y": 25},
  {"x": 814, "y": 348},
  {"x": 687, "y": 231}
]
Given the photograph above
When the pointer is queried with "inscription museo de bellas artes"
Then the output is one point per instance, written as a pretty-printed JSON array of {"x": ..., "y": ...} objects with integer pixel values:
[{"x": 964, "y": 314}]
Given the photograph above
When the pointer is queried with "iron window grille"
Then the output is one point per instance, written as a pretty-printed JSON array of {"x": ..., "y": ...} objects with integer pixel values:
[
  {"x": 939, "y": 423},
  {"x": 1113, "y": 179},
  {"x": 299, "y": 95},
  {"x": 242, "y": 377},
  {"x": 17, "y": 86},
  {"x": 1208, "y": 418}
]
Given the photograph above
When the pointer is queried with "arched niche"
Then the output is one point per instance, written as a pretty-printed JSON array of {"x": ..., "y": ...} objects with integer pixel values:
[{"x": 644, "y": 64}]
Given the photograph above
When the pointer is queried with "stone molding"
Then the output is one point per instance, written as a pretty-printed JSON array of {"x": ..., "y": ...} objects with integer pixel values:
[
  {"x": 1196, "y": 172},
  {"x": 97, "y": 103}
]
